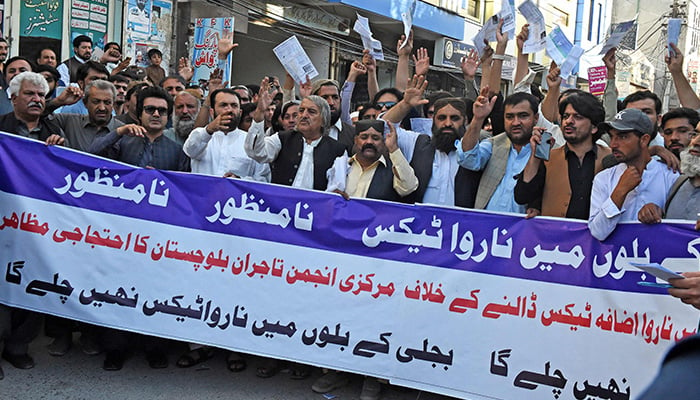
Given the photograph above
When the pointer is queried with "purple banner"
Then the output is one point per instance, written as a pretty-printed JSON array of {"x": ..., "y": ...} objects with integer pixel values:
[{"x": 542, "y": 249}]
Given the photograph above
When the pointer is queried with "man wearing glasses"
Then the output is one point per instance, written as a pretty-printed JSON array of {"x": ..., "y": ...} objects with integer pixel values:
[{"x": 145, "y": 145}]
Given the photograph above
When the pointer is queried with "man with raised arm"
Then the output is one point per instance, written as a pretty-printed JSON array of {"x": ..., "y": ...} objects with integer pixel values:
[
  {"x": 434, "y": 159},
  {"x": 300, "y": 157},
  {"x": 217, "y": 149},
  {"x": 563, "y": 181},
  {"x": 502, "y": 157}
]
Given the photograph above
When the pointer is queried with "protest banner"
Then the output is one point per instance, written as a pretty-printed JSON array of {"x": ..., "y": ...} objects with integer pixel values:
[{"x": 471, "y": 304}]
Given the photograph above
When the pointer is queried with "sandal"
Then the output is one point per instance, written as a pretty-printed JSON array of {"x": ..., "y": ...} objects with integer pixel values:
[
  {"x": 235, "y": 363},
  {"x": 194, "y": 357},
  {"x": 300, "y": 371},
  {"x": 269, "y": 368}
]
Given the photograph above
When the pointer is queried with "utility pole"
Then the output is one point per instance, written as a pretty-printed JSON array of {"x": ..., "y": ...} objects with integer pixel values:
[{"x": 678, "y": 10}]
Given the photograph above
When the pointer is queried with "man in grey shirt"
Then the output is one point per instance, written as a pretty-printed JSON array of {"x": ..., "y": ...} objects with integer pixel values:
[
  {"x": 684, "y": 197},
  {"x": 81, "y": 130}
]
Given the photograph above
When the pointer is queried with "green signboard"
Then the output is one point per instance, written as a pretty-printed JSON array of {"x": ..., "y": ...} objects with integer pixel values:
[{"x": 41, "y": 18}]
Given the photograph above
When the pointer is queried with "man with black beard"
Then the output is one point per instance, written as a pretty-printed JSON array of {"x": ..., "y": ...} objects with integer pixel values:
[
  {"x": 434, "y": 160},
  {"x": 186, "y": 110},
  {"x": 217, "y": 149},
  {"x": 503, "y": 156},
  {"x": 329, "y": 90},
  {"x": 678, "y": 128},
  {"x": 82, "y": 49}
]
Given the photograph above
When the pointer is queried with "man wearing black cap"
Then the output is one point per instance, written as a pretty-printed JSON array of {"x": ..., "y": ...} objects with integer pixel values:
[
  {"x": 378, "y": 169},
  {"x": 563, "y": 181},
  {"x": 634, "y": 189}
]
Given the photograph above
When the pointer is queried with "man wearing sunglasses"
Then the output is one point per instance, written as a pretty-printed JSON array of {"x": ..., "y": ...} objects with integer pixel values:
[{"x": 145, "y": 145}]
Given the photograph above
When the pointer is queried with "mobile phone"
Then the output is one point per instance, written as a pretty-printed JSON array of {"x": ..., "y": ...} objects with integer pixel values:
[{"x": 544, "y": 146}]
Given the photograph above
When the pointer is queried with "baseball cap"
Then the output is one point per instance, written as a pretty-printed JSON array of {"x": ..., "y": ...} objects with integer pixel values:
[{"x": 627, "y": 120}]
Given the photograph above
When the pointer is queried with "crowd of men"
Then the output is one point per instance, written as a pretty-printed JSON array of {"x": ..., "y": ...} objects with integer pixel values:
[{"x": 565, "y": 154}]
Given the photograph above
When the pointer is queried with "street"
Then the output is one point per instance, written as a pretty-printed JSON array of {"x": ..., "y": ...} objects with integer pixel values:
[{"x": 77, "y": 376}]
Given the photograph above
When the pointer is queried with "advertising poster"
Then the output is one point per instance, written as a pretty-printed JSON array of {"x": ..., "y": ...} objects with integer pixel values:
[
  {"x": 89, "y": 17},
  {"x": 148, "y": 26},
  {"x": 205, "y": 55}
]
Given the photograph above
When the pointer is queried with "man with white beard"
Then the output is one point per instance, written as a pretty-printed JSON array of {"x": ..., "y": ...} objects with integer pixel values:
[
  {"x": 684, "y": 198},
  {"x": 684, "y": 203},
  {"x": 184, "y": 115}
]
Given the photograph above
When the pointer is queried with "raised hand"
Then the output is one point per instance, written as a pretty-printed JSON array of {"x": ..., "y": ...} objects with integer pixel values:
[
  {"x": 413, "y": 95},
  {"x": 226, "y": 45},
  {"x": 522, "y": 37},
  {"x": 356, "y": 69},
  {"x": 390, "y": 140},
  {"x": 408, "y": 48},
  {"x": 369, "y": 62},
  {"x": 216, "y": 80},
  {"x": 675, "y": 63},
  {"x": 487, "y": 55},
  {"x": 553, "y": 77},
  {"x": 422, "y": 61},
  {"x": 305, "y": 88},
  {"x": 70, "y": 95},
  {"x": 184, "y": 68},
  {"x": 483, "y": 105},
  {"x": 609, "y": 61},
  {"x": 501, "y": 39},
  {"x": 469, "y": 64}
]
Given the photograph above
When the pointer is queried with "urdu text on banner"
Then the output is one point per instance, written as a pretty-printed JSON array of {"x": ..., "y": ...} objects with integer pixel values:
[{"x": 466, "y": 303}]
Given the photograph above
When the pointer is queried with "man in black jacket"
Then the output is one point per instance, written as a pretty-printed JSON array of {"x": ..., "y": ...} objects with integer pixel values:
[
  {"x": 300, "y": 157},
  {"x": 28, "y": 95}
]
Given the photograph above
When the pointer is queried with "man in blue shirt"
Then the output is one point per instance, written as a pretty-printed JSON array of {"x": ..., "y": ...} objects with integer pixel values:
[{"x": 502, "y": 157}]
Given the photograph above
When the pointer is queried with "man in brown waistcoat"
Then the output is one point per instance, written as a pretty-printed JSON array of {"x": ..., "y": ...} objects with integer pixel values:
[{"x": 564, "y": 182}]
